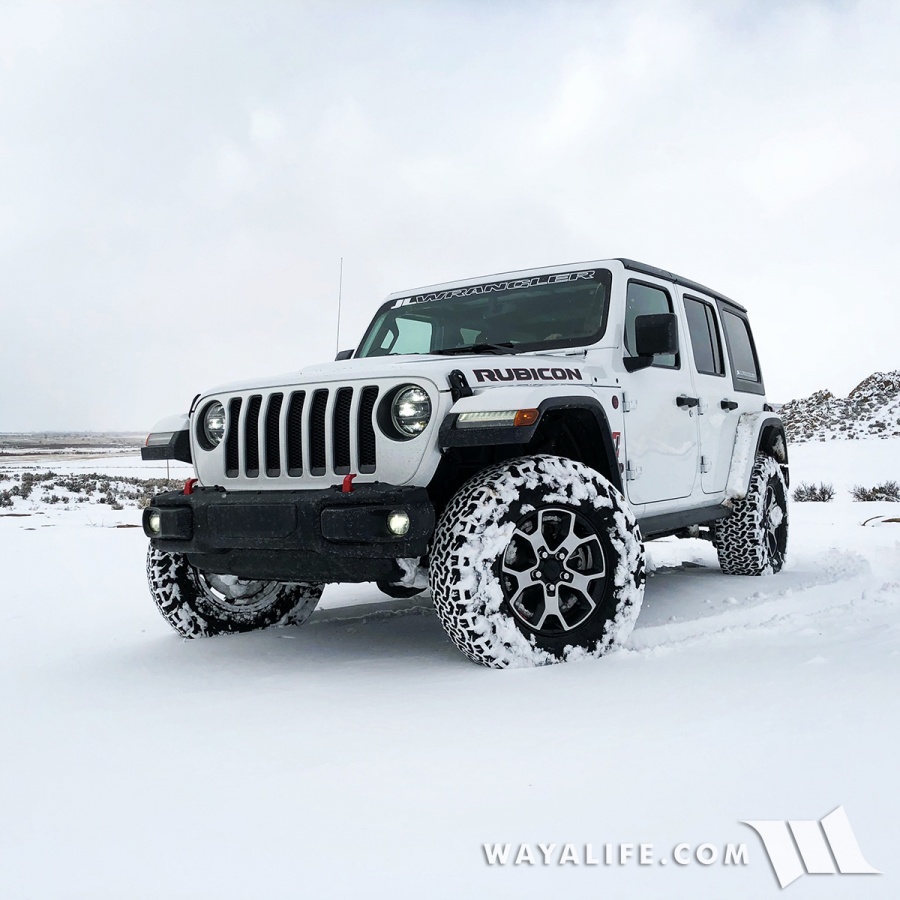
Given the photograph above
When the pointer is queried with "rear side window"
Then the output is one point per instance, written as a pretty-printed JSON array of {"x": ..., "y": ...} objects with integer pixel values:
[
  {"x": 644, "y": 300},
  {"x": 705, "y": 340},
  {"x": 743, "y": 355}
]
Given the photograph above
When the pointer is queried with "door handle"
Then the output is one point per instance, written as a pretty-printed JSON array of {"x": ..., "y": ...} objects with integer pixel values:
[
  {"x": 687, "y": 402},
  {"x": 728, "y": 405}
]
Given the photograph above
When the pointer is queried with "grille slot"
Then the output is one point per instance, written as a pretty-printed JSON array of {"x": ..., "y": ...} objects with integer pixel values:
[
  {"x": 232, "y": 461},
  {"x": 251, "y": 437},
  {"x": 340, "y": 430},
  {"x": 317, "y": 455},
  {"x": 273, "y": 435},
  {"x": 294, "y": 428},
  {"x": 366, "y": 430}
]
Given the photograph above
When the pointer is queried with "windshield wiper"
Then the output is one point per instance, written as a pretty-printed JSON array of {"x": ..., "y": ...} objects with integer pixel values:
[{"x": 504, "y": 347}]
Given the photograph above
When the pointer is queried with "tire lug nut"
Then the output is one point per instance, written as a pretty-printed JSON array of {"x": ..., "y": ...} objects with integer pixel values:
[{"x": 536, "y": 574}]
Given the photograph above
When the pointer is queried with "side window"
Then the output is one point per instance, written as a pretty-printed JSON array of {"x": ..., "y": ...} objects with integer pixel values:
[
  {"x": 645, "y": 300},
  {"x": 740, "y": 346},
  {"x": 705, "y": 340}
]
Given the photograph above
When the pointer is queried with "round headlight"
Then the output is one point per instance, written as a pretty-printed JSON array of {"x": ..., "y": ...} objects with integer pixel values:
[
  {"x": 411, "y": 411},
  {"x": 214, "y": 424}
]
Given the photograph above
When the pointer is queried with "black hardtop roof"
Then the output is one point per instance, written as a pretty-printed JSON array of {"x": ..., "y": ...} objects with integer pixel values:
[{"x": 636, "y": 266}]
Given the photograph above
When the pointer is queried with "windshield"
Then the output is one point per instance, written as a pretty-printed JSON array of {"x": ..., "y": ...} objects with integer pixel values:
[{"x": 540, "y": 312}]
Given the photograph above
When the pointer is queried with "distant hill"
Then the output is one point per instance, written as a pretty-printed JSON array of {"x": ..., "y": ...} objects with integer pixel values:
[{"x": 871, "y": 409}]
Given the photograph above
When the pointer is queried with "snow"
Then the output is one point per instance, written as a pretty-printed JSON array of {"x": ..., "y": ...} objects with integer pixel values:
[{"x": 363, "y": 755}]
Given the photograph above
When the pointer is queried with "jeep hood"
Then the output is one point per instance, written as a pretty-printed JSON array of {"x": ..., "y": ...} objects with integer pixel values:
[{"x": 481, "y": 370}]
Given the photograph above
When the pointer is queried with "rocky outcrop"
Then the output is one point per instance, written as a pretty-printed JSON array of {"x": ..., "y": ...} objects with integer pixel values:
[{"x": 871, "y": 409}]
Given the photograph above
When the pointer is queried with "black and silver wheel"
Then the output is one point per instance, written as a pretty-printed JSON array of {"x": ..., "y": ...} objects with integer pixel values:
[
  {"x": 537, "y": 560},
  {"x": 753, "y": 540},
  {"x": 202, "y": 604}
]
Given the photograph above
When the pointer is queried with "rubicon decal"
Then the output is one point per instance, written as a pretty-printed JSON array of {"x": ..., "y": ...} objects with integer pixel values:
[
  {"x": 796, "y": 848},
  {"x": 556, "y": 374}
]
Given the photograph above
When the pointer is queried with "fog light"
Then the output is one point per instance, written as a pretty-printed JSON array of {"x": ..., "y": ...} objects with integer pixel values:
[
  {"x": 398, "y": 523},
  {"x": 153, "y": 523}
]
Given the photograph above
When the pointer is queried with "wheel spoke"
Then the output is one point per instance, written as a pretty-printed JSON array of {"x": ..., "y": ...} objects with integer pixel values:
[
  {"x": 582, "y": 584},
  {"x": 535, "y": 540},
  {"x": 520, "y": 576},
  {"x": 551, "y": 608}
]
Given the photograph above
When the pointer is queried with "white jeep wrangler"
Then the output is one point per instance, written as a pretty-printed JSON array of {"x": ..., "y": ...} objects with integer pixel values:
[{"x": 505, "y": 440}]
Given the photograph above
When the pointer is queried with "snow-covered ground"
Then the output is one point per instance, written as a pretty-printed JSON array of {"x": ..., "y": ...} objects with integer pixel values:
[{"x": 362, "y": 755}]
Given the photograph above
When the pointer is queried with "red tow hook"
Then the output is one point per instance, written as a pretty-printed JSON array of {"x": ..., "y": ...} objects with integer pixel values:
[
  {"x": 347, "y": 486},
  {"x": 189, "y": 485}
]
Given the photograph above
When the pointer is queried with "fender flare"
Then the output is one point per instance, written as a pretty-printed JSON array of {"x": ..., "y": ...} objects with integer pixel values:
[
  {"x": 757, "y": 432},
  {"x": 170, "y": 438},
  {"x": 489, "y": 436}
]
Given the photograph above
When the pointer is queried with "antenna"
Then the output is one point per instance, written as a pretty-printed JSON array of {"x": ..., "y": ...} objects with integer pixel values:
[{"x": 337, "y": 337}]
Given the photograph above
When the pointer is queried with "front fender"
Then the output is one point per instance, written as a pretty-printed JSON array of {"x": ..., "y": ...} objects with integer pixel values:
[{"x": 170, "y": 438}]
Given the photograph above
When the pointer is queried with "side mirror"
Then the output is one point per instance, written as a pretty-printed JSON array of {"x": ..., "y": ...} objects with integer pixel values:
[
  {"x": 344, "y": 354},
  {"x": 654, "y": 335}
]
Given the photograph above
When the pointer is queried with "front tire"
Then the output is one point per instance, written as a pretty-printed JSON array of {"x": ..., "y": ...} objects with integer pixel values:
[
  {"x": 200, "y": 604},
  {"x": 753, "y": 539},
  {"x": 535, "y": 561}
]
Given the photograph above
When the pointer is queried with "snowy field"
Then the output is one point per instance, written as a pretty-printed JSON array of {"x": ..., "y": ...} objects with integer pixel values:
[{"x": 363, "y": 756}]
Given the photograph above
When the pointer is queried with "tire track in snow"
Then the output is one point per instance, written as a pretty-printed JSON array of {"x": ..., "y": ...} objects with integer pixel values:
[{"x": 792, "y": 606}]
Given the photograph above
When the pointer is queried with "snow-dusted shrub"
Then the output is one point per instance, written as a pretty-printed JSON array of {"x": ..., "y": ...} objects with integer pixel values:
[
  {"x": 813, "y": 493},
  {"x": 5, "y": 498},
  {"x": 27, "y": 485},
  {"x": 888, "y": 490}
]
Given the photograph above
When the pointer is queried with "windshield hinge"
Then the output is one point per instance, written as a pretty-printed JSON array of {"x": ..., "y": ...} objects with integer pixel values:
[{"x": 459, "y": 386}]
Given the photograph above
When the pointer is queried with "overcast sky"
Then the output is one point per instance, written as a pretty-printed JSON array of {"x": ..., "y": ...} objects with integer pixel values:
[{"x": 178, "y": 181}]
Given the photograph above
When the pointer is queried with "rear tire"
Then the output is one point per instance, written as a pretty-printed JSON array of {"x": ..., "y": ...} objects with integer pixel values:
[
  {"x": 200, "y": 604},
  {"x": 535, "y": 561},
  {"x": 753, "y": 540}
]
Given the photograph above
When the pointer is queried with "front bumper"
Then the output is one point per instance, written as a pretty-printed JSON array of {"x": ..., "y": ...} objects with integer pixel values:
[{"x": 321, "y": 535}]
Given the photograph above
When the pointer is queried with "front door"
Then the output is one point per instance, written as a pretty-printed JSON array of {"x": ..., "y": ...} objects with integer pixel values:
[{"x": 661, "y": 433}]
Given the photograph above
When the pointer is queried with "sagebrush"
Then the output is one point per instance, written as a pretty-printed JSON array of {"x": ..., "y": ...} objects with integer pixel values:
[
  {"x": 813, "y": 493},
  {"x": 887, "y": 490}
]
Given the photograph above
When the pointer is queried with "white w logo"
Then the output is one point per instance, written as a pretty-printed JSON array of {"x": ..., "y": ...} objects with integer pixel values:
[{"x": 814, "y": 848}]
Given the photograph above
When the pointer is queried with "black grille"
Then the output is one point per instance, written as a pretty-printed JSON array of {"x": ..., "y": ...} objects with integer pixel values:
[
  {"x": 340, "y": 430},
  {"x": 273, "y": 435},
  {"x": 231, "y": 440},
  {"x": 335, "y": 429},
  {"x": 366, "y": 430},
  {"x": 317, "y": 459},
  {"x": 294, "y": 427},
  {"x": 251, "y": 436}
]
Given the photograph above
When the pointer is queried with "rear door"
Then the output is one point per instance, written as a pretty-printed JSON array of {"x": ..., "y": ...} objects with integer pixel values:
[
  {"x": 719, "y": 406},
  {"x": 661, "y": 434}
]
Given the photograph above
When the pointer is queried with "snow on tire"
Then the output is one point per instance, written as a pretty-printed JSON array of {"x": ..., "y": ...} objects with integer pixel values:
[
  {"x": 537, "y": 560},
  {"x": 199, "y": 604},
  {"x": 753, "y": 540}
]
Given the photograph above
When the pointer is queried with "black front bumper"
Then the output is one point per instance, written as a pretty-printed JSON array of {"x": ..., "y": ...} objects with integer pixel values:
[{"x": 322, "y": 535}]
